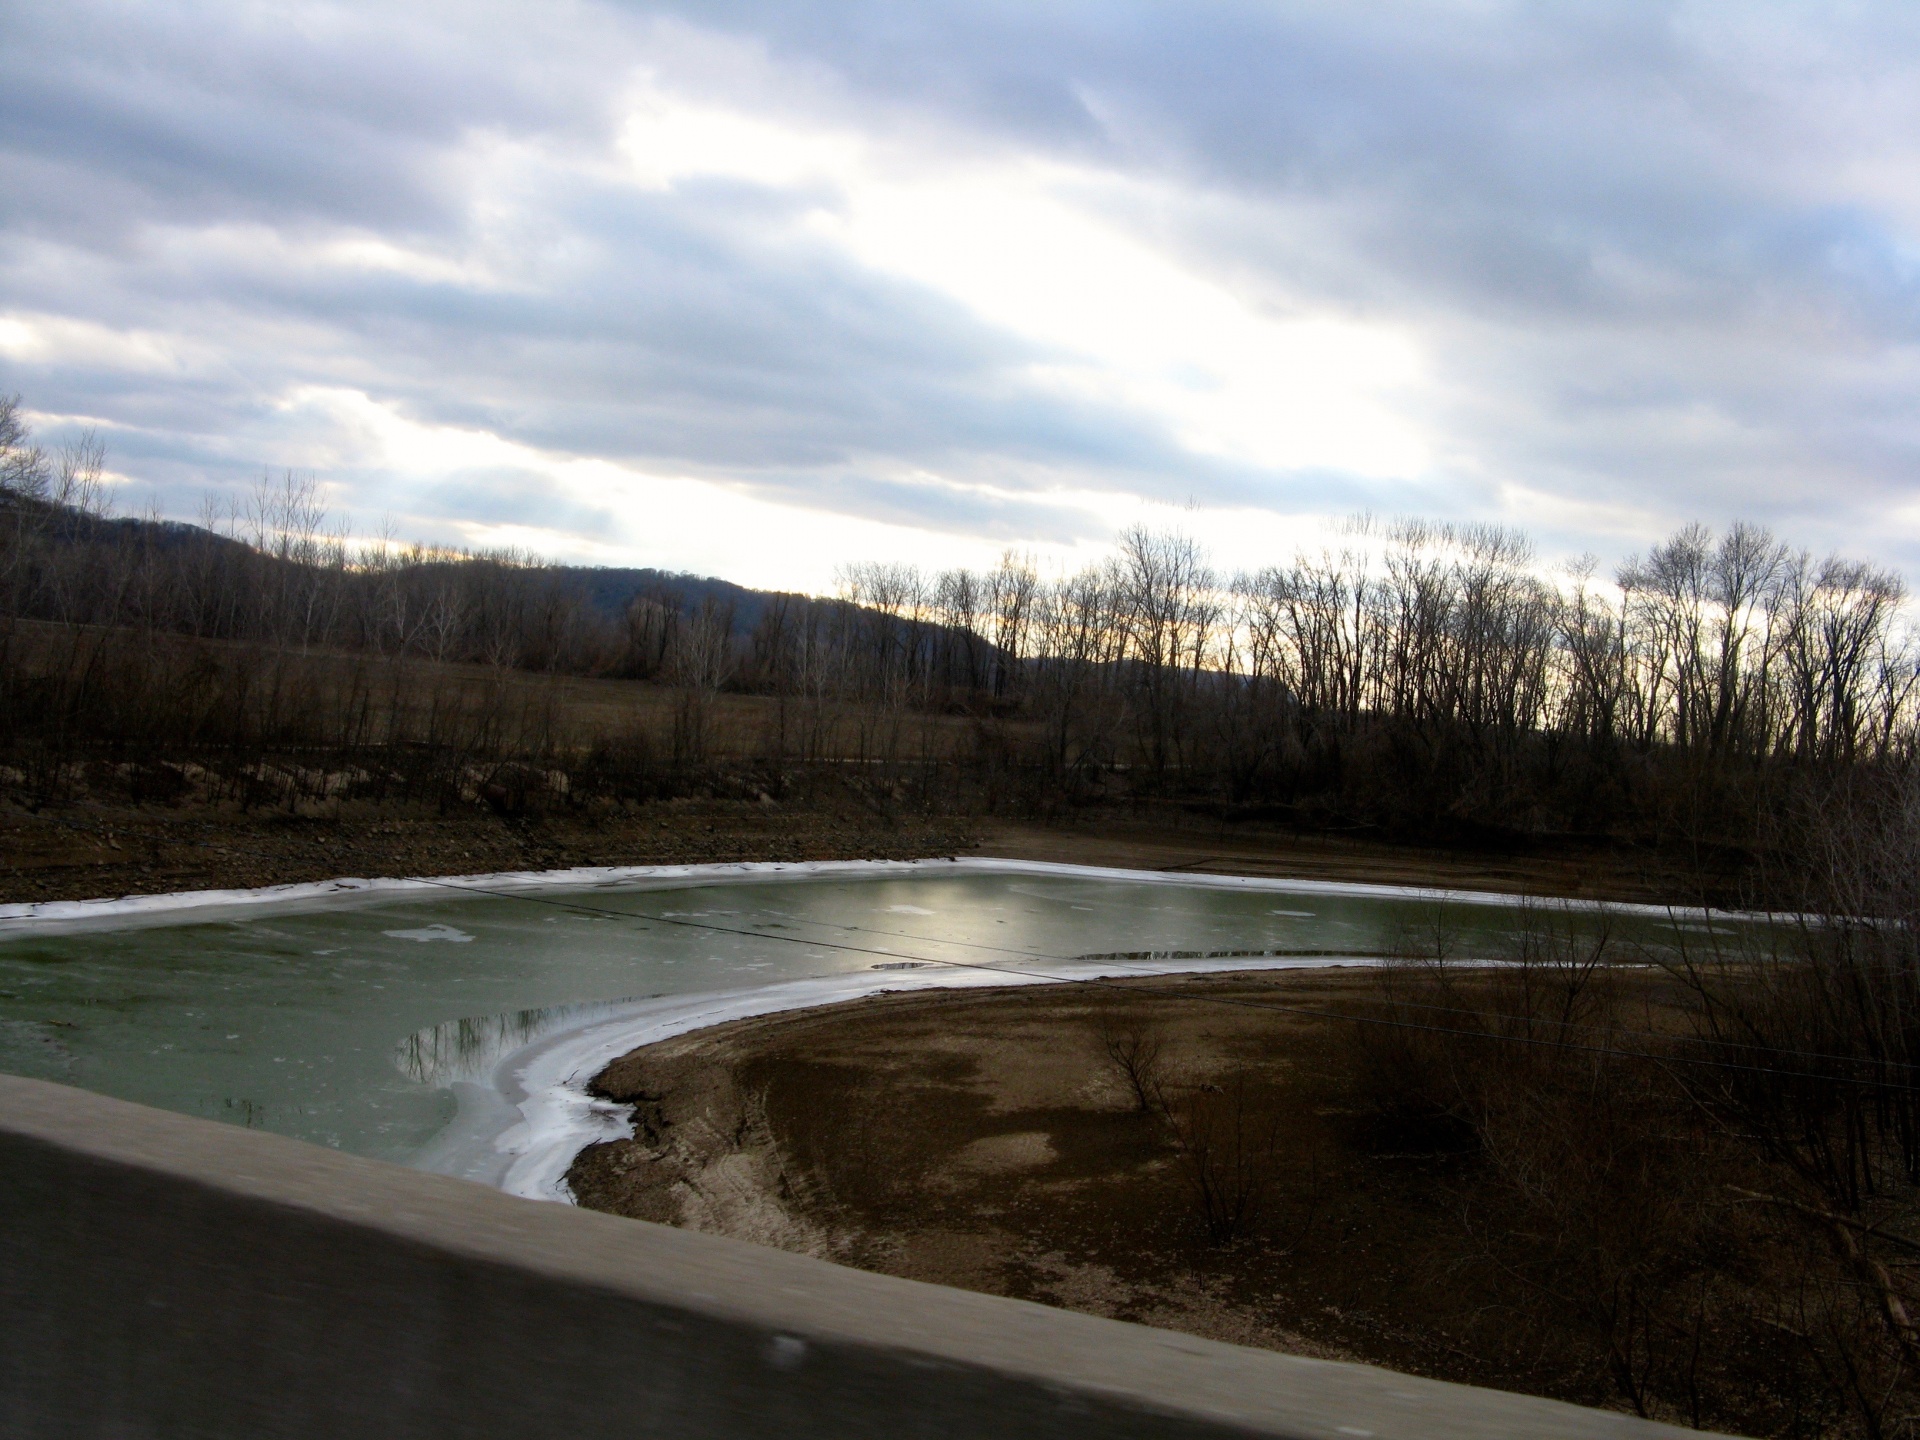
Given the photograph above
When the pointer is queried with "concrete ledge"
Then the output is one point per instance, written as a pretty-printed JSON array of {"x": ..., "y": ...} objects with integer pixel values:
[{"x": 165, "y": 1276}]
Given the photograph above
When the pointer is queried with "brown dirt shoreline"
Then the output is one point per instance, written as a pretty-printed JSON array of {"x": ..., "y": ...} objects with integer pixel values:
[
  {"x": 984, "y": 1139},
  {"x": 88, "y": 851},
  {"x": 981, "y": 1139},
  {"x": 978, "y": 1138},
  {"x": 102, "y": 848}
]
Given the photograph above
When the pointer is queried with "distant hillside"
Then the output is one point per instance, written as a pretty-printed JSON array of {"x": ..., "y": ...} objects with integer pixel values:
[
  {"x": 608, "y": 590},
  {"x": 611, "y": 591}
]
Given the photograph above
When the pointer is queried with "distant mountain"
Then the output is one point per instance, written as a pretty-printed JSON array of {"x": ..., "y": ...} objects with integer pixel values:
[{"x": 612, "y": 590}]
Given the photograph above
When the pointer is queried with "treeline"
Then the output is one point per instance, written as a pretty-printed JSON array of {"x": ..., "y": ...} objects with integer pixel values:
[
  {"x": 268, "y": 572},
  {"x": 1425, "y": 678},
  {"x": 262, "y": 626},
  {"x": 1419, "y": 679}
]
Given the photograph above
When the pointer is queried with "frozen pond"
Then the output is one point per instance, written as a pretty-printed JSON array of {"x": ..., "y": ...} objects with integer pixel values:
[{"x": 450, "y": 1024}]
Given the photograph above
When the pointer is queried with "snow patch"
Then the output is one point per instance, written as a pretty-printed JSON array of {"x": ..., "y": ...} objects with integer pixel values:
[{"x": 431, "y": 932}]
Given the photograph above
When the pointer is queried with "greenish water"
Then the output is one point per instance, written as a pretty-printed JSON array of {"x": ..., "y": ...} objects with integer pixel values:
[{"x": 353, "y": 1022}]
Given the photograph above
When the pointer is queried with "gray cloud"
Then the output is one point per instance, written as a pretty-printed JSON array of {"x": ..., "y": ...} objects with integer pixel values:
[
  {"x": 1600, "y": 215},
  {"x": 1661, "y": 257}
]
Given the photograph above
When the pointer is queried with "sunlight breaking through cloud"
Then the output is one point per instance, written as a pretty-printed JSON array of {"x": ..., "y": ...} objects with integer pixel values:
[{"x": 684, "y": 284}]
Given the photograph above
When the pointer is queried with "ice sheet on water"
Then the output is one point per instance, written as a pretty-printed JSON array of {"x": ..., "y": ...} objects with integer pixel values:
[{"x": 428, "y": 933}]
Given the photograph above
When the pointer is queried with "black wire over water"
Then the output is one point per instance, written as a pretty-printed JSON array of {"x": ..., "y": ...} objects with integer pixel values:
[{"x": 574, "y": 905}]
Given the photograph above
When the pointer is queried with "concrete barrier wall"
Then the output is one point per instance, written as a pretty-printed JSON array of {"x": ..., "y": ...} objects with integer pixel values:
[{"x": 164, "y": 1276}]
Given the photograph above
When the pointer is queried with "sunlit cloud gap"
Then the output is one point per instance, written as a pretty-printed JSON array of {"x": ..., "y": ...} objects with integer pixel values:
[
  {"x": 725, "y": 292},
  {"x": 1126, "y": 322}
]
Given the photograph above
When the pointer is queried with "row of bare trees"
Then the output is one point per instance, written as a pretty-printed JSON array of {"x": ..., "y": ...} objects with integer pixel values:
[
  {"x": 263, "y": 625},
  {"x": 1416, "y": 674},
  {"x": 1409, "y": 676},
  {"x": 1728, "y": 647}
]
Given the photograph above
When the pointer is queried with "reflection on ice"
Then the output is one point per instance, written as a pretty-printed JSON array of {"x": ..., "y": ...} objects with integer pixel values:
[
  {"x": 328, "y": 1010},
  {"x": 469, "y": 1049}
]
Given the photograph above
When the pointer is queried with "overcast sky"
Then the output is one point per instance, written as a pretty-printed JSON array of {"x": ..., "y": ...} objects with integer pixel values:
[{"x": 754, "y": 289}]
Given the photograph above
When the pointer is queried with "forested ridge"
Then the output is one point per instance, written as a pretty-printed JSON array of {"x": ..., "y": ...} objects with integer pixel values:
[{"x": 1410, "y": 679}]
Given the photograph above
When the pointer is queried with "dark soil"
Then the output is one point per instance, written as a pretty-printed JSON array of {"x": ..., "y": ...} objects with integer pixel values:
[
  {"x": 1547, "y": 866},
  {"x": 102, "y": 848},
  {"x": 102, "y": 842},
  {"x": 984, "y": 1139}
]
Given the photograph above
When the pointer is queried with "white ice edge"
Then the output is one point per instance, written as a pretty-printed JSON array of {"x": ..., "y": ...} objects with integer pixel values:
[
  {"x": 45, "y": 916},
  {"x": 521, "y": 1130}
]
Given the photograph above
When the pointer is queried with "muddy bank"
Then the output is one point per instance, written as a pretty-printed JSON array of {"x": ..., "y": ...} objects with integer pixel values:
[
  {"x": 86, "y": 851},
  {"x": 989, "y": 1140},
  {"x": 1564, "y": 869},
  {"x": 983, "y": 1140},
  {"x": 103, "y": 846}
]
